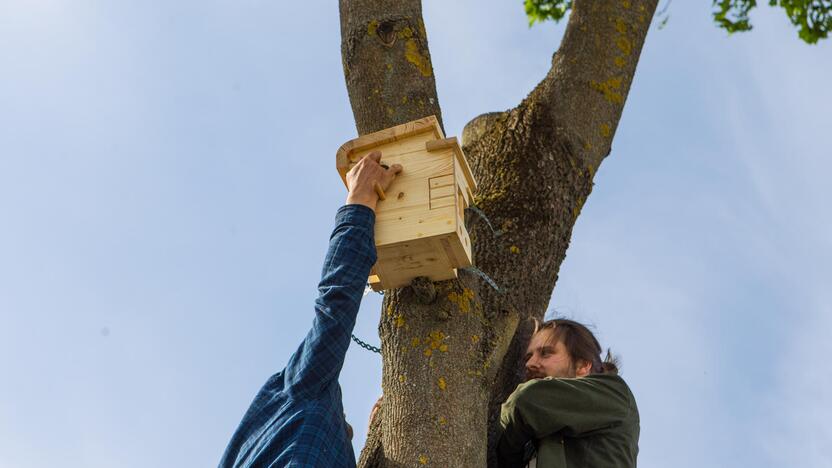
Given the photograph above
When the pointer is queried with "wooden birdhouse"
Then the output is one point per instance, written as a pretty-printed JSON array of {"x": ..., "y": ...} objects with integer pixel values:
[{"x": 420, "y": 229}]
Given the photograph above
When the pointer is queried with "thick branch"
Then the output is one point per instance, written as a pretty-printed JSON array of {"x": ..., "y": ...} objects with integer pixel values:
[
  {"x": 384, "y": 48},
  {"x": 535, "y": 163},
  {"x": 592, "y": 71}
]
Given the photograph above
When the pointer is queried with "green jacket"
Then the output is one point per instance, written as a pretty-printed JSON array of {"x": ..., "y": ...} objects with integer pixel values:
[{"x": 587, "y": 422}]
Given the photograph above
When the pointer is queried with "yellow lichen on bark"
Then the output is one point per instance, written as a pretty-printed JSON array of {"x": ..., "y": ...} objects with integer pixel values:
[
  {"x": 483, "y": 199},
  {"x": 576, "y": 210},
  {"x": 624, "y": 45},
  {"x": 415, "y": 56},
  {"x": 609, "y": 89},
  {"x": 435, "y": 339},
  {"x": 372, "y": 27},
  {"x": 405, "y": 33},
  {"x": 462, "y": 301}
]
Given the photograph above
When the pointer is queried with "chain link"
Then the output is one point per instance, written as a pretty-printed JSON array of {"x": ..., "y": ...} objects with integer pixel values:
[
  {"x": 485, "y": 277},
  {"x": 366, "y": 346},
  {"x": 482, "y": 216}
]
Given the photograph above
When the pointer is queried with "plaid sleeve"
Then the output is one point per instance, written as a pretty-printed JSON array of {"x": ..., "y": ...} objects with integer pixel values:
[{"x": 320, "y": 357}]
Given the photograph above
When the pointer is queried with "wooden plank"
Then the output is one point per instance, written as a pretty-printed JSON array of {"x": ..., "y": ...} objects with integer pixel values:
[
  {"x": 465, "y": 169},
  {"x": 436, "y": 203},
  {"x": 406, "y": 153},
  {"x": 441, "y": 192},
  {"x": 412, "y": 145},
  {"x": 410, "y": 190},
  {"x": 467, "y": 191},
  {"x": 435, "y": 145},
  {"x": 400, "y": 263},
  {"x": 455, "y": 249},
  {"x": 441, "y": 181},
  {"x": 437, "y": 258},
  {"x": 367, "y": 142},
  {"x": 392, "y": 228}
]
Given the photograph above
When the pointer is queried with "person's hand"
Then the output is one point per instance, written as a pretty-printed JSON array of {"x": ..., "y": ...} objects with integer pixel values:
[
  {"x": 367, "y": 178},
  {"x": 348, "y": 427},
  {"x": 373, "y": 412}
]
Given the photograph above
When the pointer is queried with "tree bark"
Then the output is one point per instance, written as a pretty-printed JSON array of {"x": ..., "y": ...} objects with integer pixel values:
[{"x": 450, "y": 360}]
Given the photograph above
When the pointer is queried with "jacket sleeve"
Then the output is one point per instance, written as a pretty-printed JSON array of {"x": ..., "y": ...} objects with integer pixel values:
[
  {"x": 571, "y": 407},
  {"x": 320, "y": 357}
]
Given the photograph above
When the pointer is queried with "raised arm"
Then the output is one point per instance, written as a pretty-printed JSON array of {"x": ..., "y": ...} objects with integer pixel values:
[{"x": 320, "y": 357}]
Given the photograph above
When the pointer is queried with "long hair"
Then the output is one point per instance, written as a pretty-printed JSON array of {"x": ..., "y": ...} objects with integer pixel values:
[{"x": 580, "y": 343}]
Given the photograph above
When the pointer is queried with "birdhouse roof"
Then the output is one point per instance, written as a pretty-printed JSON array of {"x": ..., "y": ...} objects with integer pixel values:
[{"x": 401, "y": 132}]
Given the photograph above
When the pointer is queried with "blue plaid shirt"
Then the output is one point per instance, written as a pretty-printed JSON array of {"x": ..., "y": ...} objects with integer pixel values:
[{"x": 297, "y": 418}]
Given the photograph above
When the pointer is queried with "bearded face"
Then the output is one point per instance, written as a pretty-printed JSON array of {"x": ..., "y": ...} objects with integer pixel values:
[{"x": 546, "y": 357}]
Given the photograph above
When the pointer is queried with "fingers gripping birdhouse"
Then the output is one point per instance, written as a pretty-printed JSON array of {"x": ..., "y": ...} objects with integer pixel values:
[{"x": 420, "y": 228}]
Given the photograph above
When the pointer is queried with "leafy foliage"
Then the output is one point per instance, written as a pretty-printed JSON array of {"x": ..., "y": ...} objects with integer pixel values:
[
  {"x": 812, "y": 18},
  {"x": 542, "y": 10},
  {"x": 732, "y": 15}
]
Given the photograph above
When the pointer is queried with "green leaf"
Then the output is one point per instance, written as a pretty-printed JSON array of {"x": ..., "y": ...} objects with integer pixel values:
[
  {"x": 539, "y": 11},
  {"x": 812, "y": 18}
]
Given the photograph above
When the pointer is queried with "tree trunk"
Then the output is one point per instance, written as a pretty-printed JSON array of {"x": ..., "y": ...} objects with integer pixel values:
[{"x": 452, "y": 357}]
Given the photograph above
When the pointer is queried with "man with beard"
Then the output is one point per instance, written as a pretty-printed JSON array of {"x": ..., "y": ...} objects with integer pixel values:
[{"x": 573, "y": 411}]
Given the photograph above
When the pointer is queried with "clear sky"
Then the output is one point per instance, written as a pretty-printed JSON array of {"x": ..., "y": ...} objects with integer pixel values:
[{"x": 168, "y": 185}]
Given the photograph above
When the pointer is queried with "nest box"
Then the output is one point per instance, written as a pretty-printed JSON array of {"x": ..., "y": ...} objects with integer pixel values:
[{"x": 420, "y": 225}]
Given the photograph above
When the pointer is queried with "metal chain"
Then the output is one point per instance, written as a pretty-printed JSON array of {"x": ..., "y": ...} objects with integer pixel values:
[
  {"x": 366, "y": 346},
  {"x": 485, "y": 277},
  {"x": 481, "y": 214},
  {"x": 495, "y": 233}
]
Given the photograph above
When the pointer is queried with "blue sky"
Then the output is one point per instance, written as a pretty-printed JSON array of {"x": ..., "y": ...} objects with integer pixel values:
[{"x": 167, "y": 188}]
